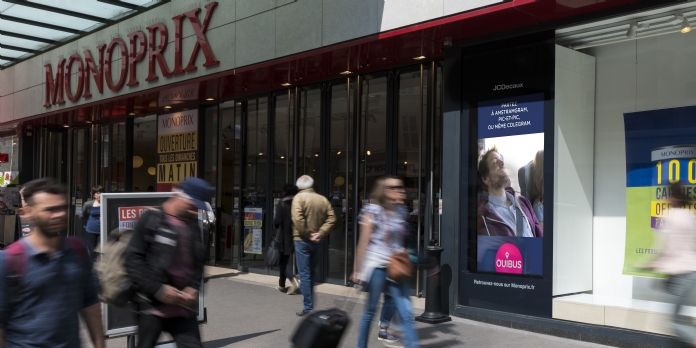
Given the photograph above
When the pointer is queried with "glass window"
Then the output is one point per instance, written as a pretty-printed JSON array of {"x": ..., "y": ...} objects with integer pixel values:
[
  {"x": 114, "y": 156},
  {"x": 9, "y": 160},
  {"x": 340, "y": 177},
  {"x": 256, "y": 234},
  {"x": 210, "y": 148},
  {"x": 230, "y": 183},
  {"x": 373, "y": 132},
  {"x": 310, "y": 134},
  {"x": 145, "y": 154},
  {"x": 283, "y": 142}
]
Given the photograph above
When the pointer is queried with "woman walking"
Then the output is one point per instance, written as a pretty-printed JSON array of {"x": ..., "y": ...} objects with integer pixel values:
[
  {"x": 283, "y": 225},
  {"x": 676, "y": 258},
  {"x": 383, "y": 230}
]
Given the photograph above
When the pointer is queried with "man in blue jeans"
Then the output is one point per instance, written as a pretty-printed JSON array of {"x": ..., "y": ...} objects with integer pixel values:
[{"x": 312, "y": 220}]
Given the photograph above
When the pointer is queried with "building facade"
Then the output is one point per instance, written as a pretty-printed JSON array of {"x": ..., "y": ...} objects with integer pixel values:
[{"x": 250, "y": 94}]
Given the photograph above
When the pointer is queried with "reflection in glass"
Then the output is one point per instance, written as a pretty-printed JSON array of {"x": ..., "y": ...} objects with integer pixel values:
[
  {"x": 283, "y": 143},
  {"x": 144, "y": 153},
  {"x": 310, "y": 134},
  {"x": 254, "y": 188},
  {"x": 230, "y": 191},
  {"x": 373, "y": 134},
  {"x": 340, "y": 179}
]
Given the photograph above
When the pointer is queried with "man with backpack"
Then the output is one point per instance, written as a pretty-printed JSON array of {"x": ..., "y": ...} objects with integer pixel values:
[
  {"x": 164, "y": 260},
  {"x": 46, "y": 280}
]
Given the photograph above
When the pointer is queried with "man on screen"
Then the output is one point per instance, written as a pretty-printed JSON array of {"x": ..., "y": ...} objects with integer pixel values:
[{"x": 502, "y": 211}]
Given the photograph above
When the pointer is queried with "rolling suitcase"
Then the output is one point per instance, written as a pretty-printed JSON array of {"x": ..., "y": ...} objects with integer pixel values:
[{"x": 321, "y": 329}]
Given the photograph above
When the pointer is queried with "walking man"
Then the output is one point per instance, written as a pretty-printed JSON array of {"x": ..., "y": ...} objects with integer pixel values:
[
  {"x": 165, "y": 260},
  {"x": 46, "y": 280},
  {"x": 312, "y": 219}
]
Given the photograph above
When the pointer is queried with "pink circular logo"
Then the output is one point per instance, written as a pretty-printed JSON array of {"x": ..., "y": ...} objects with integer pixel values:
[{"x": 508, "y": 259}]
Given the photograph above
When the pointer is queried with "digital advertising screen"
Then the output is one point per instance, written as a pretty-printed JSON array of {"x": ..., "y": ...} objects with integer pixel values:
[{"x": 510, "y": 197}]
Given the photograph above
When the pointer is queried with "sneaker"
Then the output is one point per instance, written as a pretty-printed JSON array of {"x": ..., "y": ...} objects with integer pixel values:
[
  {"x": 294, "y": 287},
  {"x": 281, "y": 288},
  {"x": 302, "y": 312},
  {"x": 388, "y": 339}
]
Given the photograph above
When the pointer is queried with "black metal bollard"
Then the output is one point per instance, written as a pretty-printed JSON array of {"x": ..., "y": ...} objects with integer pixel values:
[{"x": 433, "y": 302}]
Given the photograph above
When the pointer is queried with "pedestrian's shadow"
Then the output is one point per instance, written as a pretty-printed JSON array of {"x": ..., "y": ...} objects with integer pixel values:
[
  {"x": 432, "y": 332},
  {"x": 223, "y": 342}
]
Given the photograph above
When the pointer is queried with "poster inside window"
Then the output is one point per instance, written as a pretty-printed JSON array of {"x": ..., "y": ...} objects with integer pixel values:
[
  {"x": 510, "y": 197},
  {"x": 660, "y": 156}
]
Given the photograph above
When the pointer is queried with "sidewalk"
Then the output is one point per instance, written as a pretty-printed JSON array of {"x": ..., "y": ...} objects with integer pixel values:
[{"x": 245, "y": 310}]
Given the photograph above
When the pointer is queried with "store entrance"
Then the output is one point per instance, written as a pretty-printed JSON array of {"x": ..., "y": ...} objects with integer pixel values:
[{"x": 345, "y": 134}]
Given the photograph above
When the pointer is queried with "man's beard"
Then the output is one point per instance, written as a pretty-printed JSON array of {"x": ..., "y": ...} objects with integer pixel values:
[
  {"x": 502, "y": 181},
  {"x": 44, "y": 228}
]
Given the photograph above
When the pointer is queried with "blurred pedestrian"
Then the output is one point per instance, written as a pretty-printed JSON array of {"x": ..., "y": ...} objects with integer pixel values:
[
  {"x": 164, "y": 260},
  {"x": 47, "y": 280},
  {"x": 312, "y": 220},
  {"x": 91, "y": 217},
  {"x": 676, "y": 258},
  {"x": 283, "y": 225},
  {"x": 383, "y": 231}
]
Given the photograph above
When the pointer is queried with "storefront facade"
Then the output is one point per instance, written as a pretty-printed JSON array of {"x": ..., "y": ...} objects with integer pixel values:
[{"x": 251, "y": 94}]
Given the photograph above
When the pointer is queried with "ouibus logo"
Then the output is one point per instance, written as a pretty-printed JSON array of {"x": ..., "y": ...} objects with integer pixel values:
[{"x": 508, "y": 259}]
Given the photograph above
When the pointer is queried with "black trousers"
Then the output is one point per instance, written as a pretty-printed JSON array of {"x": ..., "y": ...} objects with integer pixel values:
[
  {"x": 285, "y": 269},
  {"x": 184, "y": 330}
]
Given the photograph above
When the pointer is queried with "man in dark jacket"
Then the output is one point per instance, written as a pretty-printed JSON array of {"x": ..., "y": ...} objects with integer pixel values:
[
  {"x": 283, "y": 224},
  {"x": 501, "y": 211},
  {"x": 164, "y": 260}
]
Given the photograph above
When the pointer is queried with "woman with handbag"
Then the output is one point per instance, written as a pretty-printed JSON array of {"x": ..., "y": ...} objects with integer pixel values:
[
  {"x": 284, "y": 242},
  {"x": 381, "y": 261}
]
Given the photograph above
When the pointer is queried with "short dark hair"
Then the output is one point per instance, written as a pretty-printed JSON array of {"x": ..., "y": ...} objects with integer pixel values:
[
  {"x": 43, "y": 185},
  {"x": 96, "y": 189}
]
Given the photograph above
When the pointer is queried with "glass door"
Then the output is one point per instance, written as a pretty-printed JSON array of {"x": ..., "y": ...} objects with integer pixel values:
[
  {"x": 255, "y": 195},
  {"x": 340, "y": 178},
  {"x": 227, "y": 241},
  {"x": 81, "y": 172},
  {"x": 410, "y": 161}
]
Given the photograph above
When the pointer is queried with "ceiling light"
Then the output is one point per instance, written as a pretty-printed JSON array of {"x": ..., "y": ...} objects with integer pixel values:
[
  {"x": 260, "y": 153},
  {"x": 227, "y": 148},
  {"x": 405, "y": 163},
  {"x": 684, "y": 27},
  {"x": 369, "y": 153},
  {"x": 286, "y": 84},
  {"x": 133, "y": 113},
  {"x": 632, "y": 30},
  {"x": 88, "y": 122},
  {"x": 167, "y": 107},
  {"x": 347, "y": 72},
  {"x": 282, "y": 157},
  {"x": 210, "y": 99},
  {"x": 419, "y": 58},
  {"x": 66, "y": 126},
  {"x": 316, "y": 155},
  {"x": 338, "y": 153}
]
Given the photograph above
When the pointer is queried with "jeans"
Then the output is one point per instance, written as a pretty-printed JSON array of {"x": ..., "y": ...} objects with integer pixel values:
[
  {"x": 285, "y": 267},
  {"x": 305, "y": 255},
  {"x": 184, "y": 331},
  {"x": 388, "y": 310},
  {"x": 401, "y": 301}
]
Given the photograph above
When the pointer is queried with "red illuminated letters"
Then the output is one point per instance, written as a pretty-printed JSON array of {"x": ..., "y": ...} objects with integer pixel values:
[{"x": 152, "y": 43}]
